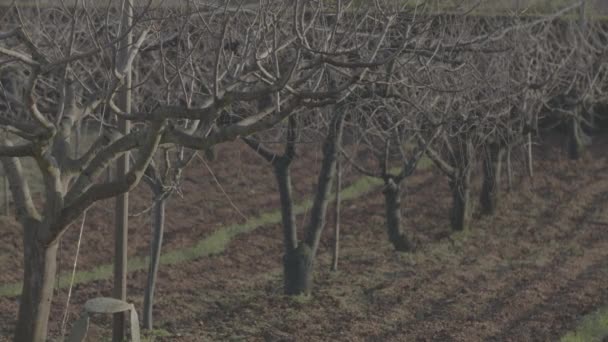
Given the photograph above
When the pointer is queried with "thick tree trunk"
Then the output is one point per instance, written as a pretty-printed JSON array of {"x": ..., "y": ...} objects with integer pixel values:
[
  {"x": 460, "y": 184},
  {"x": 290, "y": 235},
  {"x": 298, "y": 268},
  {"x": 155, "y": 252},
  {"x": 462, "y": 210},
  {"x": 392, "y": 203},
  {"x": 492, "y": 171},
  {"x": 40, "y": 268}
]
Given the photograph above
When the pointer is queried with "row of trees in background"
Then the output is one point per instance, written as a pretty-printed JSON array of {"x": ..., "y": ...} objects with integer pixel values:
[{"x": 384, "y": 83}]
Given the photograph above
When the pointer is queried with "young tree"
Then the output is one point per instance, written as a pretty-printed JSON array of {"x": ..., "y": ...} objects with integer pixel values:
[{"x": 163, "y": 178}]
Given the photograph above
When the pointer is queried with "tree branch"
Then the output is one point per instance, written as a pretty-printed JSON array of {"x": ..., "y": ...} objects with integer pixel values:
[
  {"x": 97, "y": 159},
  {"x": 260, "y": 149},
  {"x": 436, "y": 158},
  {"x": 23, "y": 150},
  {"x": 99, "y": 192},
  {"x": 26, "y": 210}
]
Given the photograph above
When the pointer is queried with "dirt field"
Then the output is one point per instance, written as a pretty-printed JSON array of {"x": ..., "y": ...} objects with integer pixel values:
[{"x": 527, "y": 274}]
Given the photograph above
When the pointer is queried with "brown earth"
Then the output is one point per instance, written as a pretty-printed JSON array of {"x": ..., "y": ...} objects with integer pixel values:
[{"x": 526, "y": 274}]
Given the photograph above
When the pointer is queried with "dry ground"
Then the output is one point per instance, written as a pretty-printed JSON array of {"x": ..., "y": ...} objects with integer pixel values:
[{"x": 526, "y": 274}]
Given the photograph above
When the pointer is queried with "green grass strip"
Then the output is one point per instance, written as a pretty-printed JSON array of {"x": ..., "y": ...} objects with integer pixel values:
[
  {"x": 213, "y": 244},
  {"x": 591, "y": 328}
]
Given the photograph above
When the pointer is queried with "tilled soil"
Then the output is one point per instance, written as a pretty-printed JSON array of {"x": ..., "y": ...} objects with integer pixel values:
[{"x": 526, "y": 274}]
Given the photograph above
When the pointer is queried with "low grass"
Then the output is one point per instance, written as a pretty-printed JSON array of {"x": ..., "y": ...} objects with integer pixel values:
[
  {"x": 591, "y": 328},
  {"x": 154, "y": 334}
]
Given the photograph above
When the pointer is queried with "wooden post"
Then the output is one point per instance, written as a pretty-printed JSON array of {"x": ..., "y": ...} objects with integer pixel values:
[{"x": 122, "y": 167}]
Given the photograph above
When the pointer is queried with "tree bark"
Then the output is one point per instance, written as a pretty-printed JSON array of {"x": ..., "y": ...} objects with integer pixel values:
[
  {"x": 297, "y": 268},
  {"x": 40, "y": 268},
  {"x": 155, "y": 252},
  {"x": 392, "y": 200},
  {"x": 462, "y": 211},
  {"x": 492, "y": 172},
  {"x": 290, "y": 235},
  {"x": 297, "y": 260},
  {"x": 460, "y": 184}
]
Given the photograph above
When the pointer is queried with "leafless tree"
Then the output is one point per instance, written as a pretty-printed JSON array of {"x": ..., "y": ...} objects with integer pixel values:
[
  {"x": 385, "y": 127},
  {"x": 298, "y": 260},
  {"x": 437, "y": 95},
  {"x": 492, "y": 101},
  {"x": 580, "y": 46},
  {"x": 163, "y": 177},
  {"x": 68, "y": 58}
]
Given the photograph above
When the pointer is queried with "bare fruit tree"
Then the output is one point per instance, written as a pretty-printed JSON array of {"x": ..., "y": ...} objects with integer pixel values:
[
  {"x": 357, "y": 63},
  {"x": 579, "y": 47},
  {"x": 492, "y": 100},
  {"x": 220, "y": 59}
]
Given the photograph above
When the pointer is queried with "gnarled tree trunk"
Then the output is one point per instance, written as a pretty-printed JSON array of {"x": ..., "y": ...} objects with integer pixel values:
[
  {"x": 462, "y": 211},
  {"x": 492, "y": 172},
  {"x": 460, "y": 184},
  {"x": 392, "y": 200},
  {"x": 40, "y": 268}
]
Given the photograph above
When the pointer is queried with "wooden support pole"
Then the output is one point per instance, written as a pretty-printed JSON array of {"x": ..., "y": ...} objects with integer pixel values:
[{"x": 122, "y": 167}]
